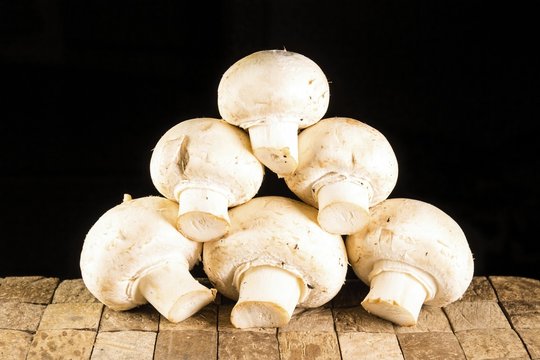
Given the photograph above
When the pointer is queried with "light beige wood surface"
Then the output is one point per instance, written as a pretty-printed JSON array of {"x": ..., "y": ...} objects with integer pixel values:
[{"x": 49, "y": 318}]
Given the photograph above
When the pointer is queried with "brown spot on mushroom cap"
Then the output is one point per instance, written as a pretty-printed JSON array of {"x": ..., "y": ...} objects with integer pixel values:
[{"x": 183, "y": 155}]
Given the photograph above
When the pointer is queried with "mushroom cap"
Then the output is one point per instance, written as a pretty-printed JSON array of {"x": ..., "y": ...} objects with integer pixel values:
[
  {"x": 126, "y": 242},
  {"x": 273, "y": 83},
  {"x": 341, "y": 147},
  {"x": 206, "y": 151},
  {"x": 282, "y": 232},
  {"x": 419, "y": 234}
]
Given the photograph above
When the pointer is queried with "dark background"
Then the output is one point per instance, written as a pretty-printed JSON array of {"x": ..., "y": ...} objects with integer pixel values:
[{"x": 90, "y": 86}]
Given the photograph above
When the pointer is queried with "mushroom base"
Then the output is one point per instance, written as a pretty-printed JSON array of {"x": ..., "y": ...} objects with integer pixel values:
[
  {"x": 343, "y": 207},
  {"x": 396, "y": 297},
  {"x": 190, "y": 303},
  {"x": 202, "y": 214},
  {"x": 173, "y": 291},
  {"x": 275, "y": 144},
  {"x": 268, "y": 297}
]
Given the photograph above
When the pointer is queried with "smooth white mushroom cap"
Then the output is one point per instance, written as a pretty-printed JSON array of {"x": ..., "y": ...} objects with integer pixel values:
[
  {"x": 355, "y": 157},
  {"x": 272, "y": 94},
  {"x": 280, "y": 232},
  {"x": 273, "y": 83},
  {"x": 206, "y": 152},
  {"x": 127, "y": 242},
  {"x": 206, "y": 165},
  {"x": 412, "y": 232},
  {"x": 343, "y": 148}
]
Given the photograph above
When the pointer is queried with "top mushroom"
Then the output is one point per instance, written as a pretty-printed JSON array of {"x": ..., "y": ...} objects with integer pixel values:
[{"x": 272, "y": 94}]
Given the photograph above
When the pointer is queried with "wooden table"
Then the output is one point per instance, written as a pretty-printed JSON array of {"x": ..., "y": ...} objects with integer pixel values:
[{"x": 49, "y": 318}]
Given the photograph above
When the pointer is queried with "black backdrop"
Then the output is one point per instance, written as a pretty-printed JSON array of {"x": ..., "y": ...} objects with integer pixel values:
[{"x": 90, "y": 86}]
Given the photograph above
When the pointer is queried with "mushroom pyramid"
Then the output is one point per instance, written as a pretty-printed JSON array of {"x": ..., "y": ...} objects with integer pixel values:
[{"x": 273, "y": 254}]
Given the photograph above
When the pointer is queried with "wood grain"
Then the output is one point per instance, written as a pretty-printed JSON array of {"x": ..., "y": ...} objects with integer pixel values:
[{"x": 498, "y": 317}]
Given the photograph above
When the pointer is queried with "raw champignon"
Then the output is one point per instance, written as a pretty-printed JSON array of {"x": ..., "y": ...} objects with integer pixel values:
[
  {"x": 275, "y": 258},
  {"x": 272, "y": 94},
  {"x": 345, "y": 167},
  {"x": 206, "y": 165},
  {"x": 133, "y": 254},
  {"x": 410, "y": 254}
]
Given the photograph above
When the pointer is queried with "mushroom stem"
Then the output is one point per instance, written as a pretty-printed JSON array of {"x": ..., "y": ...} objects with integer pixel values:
[
  {"x": 343, "y": 207},
  {"x": 268, "y": 297},
  {"x": 275, "y": 144},
  {"x": 173, "y": 291},
  {"x": 395, "y": 296},
  {"x": 203, "y": 214}
]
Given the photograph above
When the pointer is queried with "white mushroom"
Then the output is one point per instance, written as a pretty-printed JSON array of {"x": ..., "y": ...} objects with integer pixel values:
[
  {"x": 411, "y": 253},
  {"x": 275, "y": 258},
  {"x": 346, "y": 166},
  {"x": 133, "y": 254},
  {"x": 273, "y": 93},
  {"x": 206, "y": 165}
]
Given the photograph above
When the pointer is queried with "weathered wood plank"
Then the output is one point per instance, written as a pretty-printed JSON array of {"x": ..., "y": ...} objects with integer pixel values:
[
  {"x": 30, "y": 289},
  {"x": 497, "y": 318},
  {"x": 491, "y": 344},
  {"x": 143, "y": 318},
  {"x": 356, "y": 319},
  {"x": 369, "y": 346},
  {"x": 433, "y": 346},
  {"x": 523, "y": 314},
  {"x": 14, "y": 344},
  {"x": 512, "y": 288},
  {"x": 71, "y": 316},
  {"x": 468, "y": 315},
  {"x": 20, "y": 316},
  {"x": 531, "y": 338},
  {"x": 124, "y": 345},
  {"x": 246, "y": 345},
  {"x": 480, "y": 289},
  {"x": 73, "y": 291},
  {"x": 186, "y": 344},
  {"x": 255, "y": 343},
  {"x": 62, "y": 344},
  {"x": 296, "y": 345}
]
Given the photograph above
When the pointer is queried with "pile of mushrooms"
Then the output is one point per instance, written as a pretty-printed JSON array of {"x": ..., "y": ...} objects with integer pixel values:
[{"x": 273, "y": 254}]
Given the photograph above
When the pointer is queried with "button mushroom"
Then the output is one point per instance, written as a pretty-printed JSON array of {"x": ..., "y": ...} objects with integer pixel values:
[
  {"x": 411, "y": 253},
  {"x": 133, "y": 254},
  {"x": 275, "y": 258},
  {"x": 345, "y": 167},
  {"x": 272, "y": 94},
  {"x": 206, "y": 165}
]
